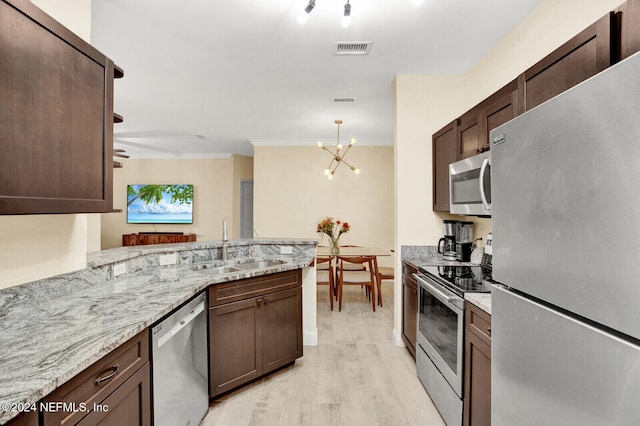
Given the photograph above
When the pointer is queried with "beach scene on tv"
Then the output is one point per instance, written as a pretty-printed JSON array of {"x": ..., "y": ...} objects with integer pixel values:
[{"x": 160, "y": 204}]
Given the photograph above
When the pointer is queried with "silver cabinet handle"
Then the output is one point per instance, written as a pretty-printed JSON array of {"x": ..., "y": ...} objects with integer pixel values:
[{"x": 109, "y": 376}]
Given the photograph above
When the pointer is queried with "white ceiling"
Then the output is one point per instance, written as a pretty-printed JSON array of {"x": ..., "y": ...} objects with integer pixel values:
[{"x": 205, "y": 78}]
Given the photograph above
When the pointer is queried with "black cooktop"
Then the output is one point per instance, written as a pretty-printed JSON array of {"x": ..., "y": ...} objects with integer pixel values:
[{"x": 461, "y": 279}]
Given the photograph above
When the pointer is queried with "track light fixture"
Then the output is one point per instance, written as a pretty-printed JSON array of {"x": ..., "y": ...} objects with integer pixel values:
[
  {"x": 310, "y": 6},
  {"x": 337, "y": 157},
  {"x": 346, "y": 16}
]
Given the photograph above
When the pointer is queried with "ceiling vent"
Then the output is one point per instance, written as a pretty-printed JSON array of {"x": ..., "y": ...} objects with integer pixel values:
[
  {"x": 346, "y": 99},
  {"x": 352, "y": 48}
]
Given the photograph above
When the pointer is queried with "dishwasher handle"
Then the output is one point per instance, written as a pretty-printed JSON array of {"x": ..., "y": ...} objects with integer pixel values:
[{"x": 182, "y": 323}]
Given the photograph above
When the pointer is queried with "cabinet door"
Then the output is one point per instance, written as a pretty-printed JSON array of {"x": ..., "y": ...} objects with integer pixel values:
[
  {"x": 629, "y": 31},
  {"x": 280, "y": 322},
  {"x": 582, "y": 57},
  {"x": 477, "y": 377},
  {"x": 233, "y": 343},
  {"x": 56, "y": 118},
  {"x": 409, "y": 314},
  {"x": 469, "y": 134},
  {"x": 444, "y": 153},
  {"x": 499, "y": 112},
  {"x": 130, "y": 404}
]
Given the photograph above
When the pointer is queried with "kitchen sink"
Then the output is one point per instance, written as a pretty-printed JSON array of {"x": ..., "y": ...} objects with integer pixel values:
[
  {"x": 216, "y": 270},
  {"x": 213, "y": 269},
  {"x": 258, "y": 264}
]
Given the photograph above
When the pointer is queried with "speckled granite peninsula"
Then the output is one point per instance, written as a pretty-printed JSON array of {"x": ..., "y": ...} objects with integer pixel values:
[{"x": 52, "y": 329}]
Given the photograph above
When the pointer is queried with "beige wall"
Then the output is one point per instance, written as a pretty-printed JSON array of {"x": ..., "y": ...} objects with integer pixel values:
[
  {"x": 216, "y": 192},
  {"x": 38, "y": 246},
  {"x": 291, "y": 194},
  {"x": 425, "y": 103}
]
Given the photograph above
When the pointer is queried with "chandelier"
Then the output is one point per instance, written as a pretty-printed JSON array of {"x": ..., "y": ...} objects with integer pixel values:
[
  {"x": 338, "y": 155},
  {"x": 346, "y": 15}
]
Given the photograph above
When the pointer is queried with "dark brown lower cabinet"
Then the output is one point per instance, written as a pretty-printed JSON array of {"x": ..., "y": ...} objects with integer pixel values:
[
  {"x": 477, "y": 367},
  {"x": 409, "y": 308},
  {"x": 116, "y": 390},
  {"x": 255, "y": 327}
]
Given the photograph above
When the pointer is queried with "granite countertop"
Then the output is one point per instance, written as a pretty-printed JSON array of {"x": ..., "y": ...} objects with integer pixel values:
[
  {"x": 418, "y": 256},
  {"x": 53, "y": 329},
  {"x": 481, "y": 300},
  {"x": 424, "y": 256}
]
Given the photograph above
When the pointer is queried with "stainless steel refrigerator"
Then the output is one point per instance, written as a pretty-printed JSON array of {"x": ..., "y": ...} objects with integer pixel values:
[{"x": 565, "y": 181}]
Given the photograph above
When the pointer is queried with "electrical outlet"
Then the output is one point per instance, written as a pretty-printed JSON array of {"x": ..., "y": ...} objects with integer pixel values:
[
  {"x": 167, "y": 259},
  {"x": 286, "y": 250},
  {"x": 119, "y": 269}
]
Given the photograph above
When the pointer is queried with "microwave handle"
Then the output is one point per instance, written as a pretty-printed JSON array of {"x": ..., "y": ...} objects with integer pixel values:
[{"x": 486, "y": 162}]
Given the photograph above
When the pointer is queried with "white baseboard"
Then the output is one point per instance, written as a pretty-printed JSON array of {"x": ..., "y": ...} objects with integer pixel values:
[
  {"x": 397, "y": 340},
  {"x": 310, "y": 338}
]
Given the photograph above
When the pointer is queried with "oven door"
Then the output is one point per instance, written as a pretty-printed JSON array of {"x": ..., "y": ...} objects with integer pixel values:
[{"x": 441, "y": 329}]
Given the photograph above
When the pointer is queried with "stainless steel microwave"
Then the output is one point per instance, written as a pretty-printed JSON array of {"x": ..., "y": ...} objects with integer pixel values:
[{"x": 470, "y": 185}]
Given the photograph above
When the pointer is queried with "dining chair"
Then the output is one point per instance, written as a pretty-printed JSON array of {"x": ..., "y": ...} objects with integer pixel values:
[
  {"x": 325, "y": 275},
  {"x": 361, "y": 277},
  {"x": 348, "y": 266},
  {"x": 384, "y": 273}
]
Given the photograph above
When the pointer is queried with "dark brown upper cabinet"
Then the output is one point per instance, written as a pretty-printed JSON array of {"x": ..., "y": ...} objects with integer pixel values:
[
  {"x": 443, "y": 153},
  {"x": 591, "y": 51},
  {"x": 629, "y": 21},
  {"x": 474, "y": 126},
  {"x": 56, "y": 117}
]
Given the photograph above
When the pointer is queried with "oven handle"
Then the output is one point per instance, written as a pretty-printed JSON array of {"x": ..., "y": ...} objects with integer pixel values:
[{"x": 437, "y": 292}]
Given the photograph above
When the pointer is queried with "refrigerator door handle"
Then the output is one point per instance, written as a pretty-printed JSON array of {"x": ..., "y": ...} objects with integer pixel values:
[{"x": 486, "y": 162}]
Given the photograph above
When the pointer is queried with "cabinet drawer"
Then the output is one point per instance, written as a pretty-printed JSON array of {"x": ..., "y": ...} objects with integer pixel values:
[
  {"x": 234, "y": 291},
  {"x": 479, "y": 322},
  {"x": 98, "y": 381}
]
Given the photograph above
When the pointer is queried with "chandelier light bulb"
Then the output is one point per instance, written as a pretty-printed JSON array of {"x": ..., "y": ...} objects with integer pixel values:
[
  {"x": 357, "y": 171},
  {"x": 320, "y": 144},
  {"x": 330, "y": 176},
  {"x": 352, "y": 141},
  {"x": 327, "y": 172}
]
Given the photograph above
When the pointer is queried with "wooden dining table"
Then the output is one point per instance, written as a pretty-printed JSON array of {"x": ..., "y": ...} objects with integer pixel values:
[{"x": 354, "y": 251}]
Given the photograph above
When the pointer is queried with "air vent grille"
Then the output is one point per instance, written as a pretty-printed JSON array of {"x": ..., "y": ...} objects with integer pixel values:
[
  {"x": 346, "y": 99},
  {"x": 352, "y": 47}
]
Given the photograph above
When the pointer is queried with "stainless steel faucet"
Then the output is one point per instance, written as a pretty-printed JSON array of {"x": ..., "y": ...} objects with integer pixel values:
[{"x": 225, "y": 240}]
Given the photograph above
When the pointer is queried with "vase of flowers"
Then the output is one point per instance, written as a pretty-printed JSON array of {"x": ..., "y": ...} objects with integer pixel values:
[{"x": 333, "y": 230}]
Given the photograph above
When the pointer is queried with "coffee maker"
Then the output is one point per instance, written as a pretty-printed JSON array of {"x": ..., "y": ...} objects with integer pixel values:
[
  {"x": 464, "y": 241},
  {"x": 447, "y": 244}
]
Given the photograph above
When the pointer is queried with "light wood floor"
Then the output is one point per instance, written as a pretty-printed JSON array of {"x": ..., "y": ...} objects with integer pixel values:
[{"x": 355, "y": 376}]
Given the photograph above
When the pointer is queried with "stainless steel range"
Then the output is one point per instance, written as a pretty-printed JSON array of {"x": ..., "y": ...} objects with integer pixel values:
[{"x": 440, "y": 338}]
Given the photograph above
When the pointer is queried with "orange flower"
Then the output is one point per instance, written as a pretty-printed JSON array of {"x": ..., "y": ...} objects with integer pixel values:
[{"x": 332, "y": 229}]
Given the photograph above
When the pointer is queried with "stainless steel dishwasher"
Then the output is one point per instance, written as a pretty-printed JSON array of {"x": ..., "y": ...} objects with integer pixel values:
[{"x": 180, "y": 371}]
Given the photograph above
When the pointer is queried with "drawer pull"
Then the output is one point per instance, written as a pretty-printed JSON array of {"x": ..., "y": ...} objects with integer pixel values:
[
  {"x": 109, "y": 376},
  {"x": 266, "y": 300},
  {"x": 259, "y": 301},
  {"x": 489, "y": 331}
]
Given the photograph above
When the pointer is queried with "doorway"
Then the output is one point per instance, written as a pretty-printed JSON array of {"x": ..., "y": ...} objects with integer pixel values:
[{"x": 246, "y": 209}]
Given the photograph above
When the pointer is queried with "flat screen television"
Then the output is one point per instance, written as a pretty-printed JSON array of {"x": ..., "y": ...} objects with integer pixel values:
[{"x": 170, "y": 204}]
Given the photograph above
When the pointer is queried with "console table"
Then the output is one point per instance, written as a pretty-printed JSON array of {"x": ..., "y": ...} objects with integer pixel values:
[{"x": 145, "y": 238}]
